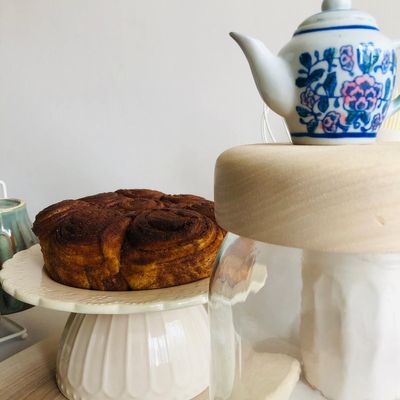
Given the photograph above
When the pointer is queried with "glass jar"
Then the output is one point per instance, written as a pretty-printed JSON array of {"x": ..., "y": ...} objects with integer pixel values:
[{"x": 294, "y": 324}]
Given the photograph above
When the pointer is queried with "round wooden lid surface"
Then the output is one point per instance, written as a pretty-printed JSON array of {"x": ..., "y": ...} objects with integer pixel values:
[{"x": 325, "y": 198}]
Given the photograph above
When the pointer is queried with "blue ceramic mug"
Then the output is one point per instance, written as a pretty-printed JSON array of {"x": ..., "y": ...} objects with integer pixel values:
[{"x": 15, "y": 235}]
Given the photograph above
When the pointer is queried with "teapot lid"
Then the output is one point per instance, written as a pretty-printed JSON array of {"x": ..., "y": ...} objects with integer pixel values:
[{"x": 337, "y": 14}]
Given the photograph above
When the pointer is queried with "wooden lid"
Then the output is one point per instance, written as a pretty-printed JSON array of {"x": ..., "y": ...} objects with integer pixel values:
[{"x": 327, "y": 198}]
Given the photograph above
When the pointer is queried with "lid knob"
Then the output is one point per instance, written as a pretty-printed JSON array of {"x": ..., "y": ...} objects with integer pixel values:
[{"x": 330, "y": 5}]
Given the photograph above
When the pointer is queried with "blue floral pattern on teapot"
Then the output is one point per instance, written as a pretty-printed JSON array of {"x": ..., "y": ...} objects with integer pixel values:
[
  {"x": 346, "y": 91},
  {"x": 333, "y": 81}
]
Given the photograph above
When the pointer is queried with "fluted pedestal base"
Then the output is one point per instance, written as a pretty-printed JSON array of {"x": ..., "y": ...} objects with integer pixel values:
[{"x": 161, "y": 355}]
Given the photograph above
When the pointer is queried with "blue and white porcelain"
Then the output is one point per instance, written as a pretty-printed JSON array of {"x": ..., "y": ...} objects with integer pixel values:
[{"x": 333, "y": 82}]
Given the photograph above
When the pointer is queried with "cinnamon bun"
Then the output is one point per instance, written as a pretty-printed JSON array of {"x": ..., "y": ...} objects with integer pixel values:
[{"x": 129, "y": 240}]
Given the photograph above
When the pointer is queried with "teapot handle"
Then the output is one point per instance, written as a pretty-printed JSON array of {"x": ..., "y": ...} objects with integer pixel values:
[
  {"x": 395, "y": 104},
  {"x": 3, "y": 193},
  {"x": 267, "y": 133},
  {"x": 5, "y": 235}
]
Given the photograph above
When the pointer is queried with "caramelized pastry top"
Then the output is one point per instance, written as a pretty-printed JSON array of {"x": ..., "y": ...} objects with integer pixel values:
[{"x": 129, "y": 239}]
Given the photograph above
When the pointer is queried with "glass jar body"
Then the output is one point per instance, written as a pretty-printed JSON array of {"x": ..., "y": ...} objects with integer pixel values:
[{"x": 304, "y": 325}]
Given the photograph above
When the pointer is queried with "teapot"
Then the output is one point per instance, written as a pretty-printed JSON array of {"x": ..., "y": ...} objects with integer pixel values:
[{"x": 333, "y": 82}]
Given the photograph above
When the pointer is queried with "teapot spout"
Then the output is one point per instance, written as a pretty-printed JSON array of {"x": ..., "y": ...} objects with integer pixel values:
[{"x": 272, "y": 74}]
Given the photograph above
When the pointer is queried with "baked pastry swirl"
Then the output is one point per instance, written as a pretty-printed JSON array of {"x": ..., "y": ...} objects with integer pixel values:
[{"x": 129, "y": 240}]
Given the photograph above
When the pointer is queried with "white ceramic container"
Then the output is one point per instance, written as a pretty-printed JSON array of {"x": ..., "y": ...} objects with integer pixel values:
[{"x": 350, "y": 325}]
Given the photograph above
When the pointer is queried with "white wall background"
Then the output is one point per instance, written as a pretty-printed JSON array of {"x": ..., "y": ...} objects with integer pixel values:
[{"x": 96, "y": 95}]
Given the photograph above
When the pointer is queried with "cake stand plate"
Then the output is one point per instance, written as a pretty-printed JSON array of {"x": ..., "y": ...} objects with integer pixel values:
[{"x": 137, "y": 345}]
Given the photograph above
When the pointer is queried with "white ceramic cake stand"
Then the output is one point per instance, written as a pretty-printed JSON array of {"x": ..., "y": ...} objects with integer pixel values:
[{"x": 138, "y": 345}]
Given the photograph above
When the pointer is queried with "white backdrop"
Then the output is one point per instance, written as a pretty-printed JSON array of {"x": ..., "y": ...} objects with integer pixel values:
[
  {"x": 101, "y": 94},
  {"x": 96, "y": 95}
]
